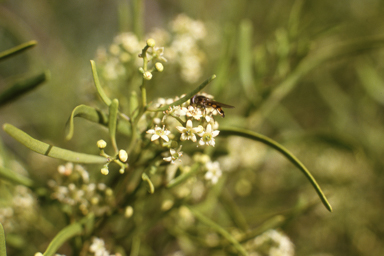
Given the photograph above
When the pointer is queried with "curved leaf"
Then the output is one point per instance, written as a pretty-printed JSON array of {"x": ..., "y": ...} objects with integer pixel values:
[
  {"x": 258, "y": 137},
  {"x": 99, "y": 89},
  {"x": 151, "y": 188},
  {"x": 187, "y": 96},
  {"x": 17, "y": 49},
  {"x": 67, "y": 233},
  {"x": 88, "y": 113},
  {"x": 10, "y": 175},
  {"x": 23, "y": 87},
  {"x": 51, "y": 151}
]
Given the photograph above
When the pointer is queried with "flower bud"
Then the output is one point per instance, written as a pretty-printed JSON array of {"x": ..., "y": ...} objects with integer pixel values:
[
  {"x": 123, "y": 155},
  {"x": 128, "y": 212},
  {"x": 104, "y": 171},
  {"x": 147, "y": 75},
  {"x": 151, "y": 42},
  {"x": 159, "y": 67},
  {"x": 101, "y": 144}
]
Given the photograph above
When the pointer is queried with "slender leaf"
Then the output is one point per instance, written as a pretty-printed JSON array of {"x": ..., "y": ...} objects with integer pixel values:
[
  {"x": 258, "y": 137},
  {"x": 22, "y": 87},
  {"x": 49, "y": 150},
  {"x": 113, "y": 111},
  {"x": 17, "y": 49},
  {"x": 219, "y": 230},
  {"x": 67, "y": 233},
  {"x": 3, "y": 251},
  {"x": 93, "y": 115},
  {"x": 11, "y": 176},
  {"x": 187, "y": 96},
  {"x": 315, "y": 59},
  {"x": 183, "y": 177},
  {"x": 88, "y": 113},
  {"x": 245, "y": 58},
  {"x": 274, "y": 222},
  {"x": 151, "y": 188},
  {"x": 99, "y": 89}
]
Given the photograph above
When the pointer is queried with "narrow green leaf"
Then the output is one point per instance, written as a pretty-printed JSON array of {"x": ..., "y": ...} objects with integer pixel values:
[
  {"x": 22, "y": 87},
  {"x": 11, "y": 176},
  {"x": 371, "y": 81},
  {"x": 151, "y": 188},
  {"x": 258, "y": 137},
  {"x": 94, "y": 115},
  {"x": 245, "y": 57},
  {"x": 112, "y": 123},
  {"x": 233, "y": 210},
  {"x": 219, "y": 230},
  {"x": 99, "y": 89},
  {"x": 51, "y": 151},
  {"x": 315, "y": 59},
  {"x": 183, "y": 177},
  {"x": 88, "y": 113},
  {"x": 187, "y": 96},
  {"x": 274, "y": 222},
  {"x": 17, "y": 49},
  {"x": 3, "y": 251},
  {"x": 65, "y": 234}
]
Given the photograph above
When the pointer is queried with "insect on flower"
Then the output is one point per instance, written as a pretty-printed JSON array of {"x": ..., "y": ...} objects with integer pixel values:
[{"x": 204, "y": 102}]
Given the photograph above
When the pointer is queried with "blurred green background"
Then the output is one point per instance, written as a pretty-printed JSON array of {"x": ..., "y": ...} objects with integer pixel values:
[{"x": 308, "y": 74}]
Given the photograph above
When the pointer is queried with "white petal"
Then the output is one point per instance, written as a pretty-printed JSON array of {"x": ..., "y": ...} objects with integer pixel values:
[
  {"x": 165, "y": 137},
  {"x": 154, "y": 137},
  {"x": 181, "y": 129}
]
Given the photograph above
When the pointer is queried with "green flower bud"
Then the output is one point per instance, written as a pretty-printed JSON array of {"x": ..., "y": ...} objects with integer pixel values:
[{"x": 151, "y": 42}]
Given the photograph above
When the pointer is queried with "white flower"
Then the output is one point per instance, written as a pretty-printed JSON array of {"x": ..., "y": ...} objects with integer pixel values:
[
  {"x": 97, "y": 245},
  {"x": 189, "y": 132},
  {"x": 194, "y": 112},
  {"x": 208, "y": 137},
  {"x": 175, "y": 154},
  {"x": 159, "y": 133},
  {"x": 213, "y": 172},
  {"x": 157, "y": 54}
]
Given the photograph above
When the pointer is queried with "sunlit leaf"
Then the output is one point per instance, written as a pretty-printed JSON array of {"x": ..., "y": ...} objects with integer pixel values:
[{"x": 51, "y": 151}]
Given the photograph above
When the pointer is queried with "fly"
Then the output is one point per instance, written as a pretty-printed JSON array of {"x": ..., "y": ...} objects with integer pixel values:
[{"x": 204, "y": 102}]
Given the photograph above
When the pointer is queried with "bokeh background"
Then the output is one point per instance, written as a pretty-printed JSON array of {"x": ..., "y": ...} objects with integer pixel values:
[{"x": 308, "y": 74}]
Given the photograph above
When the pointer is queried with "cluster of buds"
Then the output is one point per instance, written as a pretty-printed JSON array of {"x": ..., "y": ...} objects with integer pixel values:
[
  {"x": 152, "y": 54},
  {"x": 75, "y": 191},
  {"x": 121, "y": 158}
]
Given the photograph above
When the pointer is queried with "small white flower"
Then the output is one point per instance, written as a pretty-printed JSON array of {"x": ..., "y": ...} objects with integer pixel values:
[
  {"x": 208, "y": 136},
  {"x": 157, "y": 54},
  {"x": 194, "y": 112},
  {"x": 189, "y": 132},
  {"x": 175, "y": 154},
  {"x": 65, "y": 170},
  {"x": 97, "y": 245},
  {"x": 213, "y": 171},
  {"x": 159, "y": 133}
]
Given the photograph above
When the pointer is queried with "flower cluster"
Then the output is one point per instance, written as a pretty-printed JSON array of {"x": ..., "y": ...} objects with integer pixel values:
[
  {"x": 98, "y": 247},
  {"x": 271, "y": 242},
  {"x": 182, "y": 123},
  {"x": 74, "y": 190},
  {"x": 183, "y": 51},
  {"x": 18, "y": 212}
]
